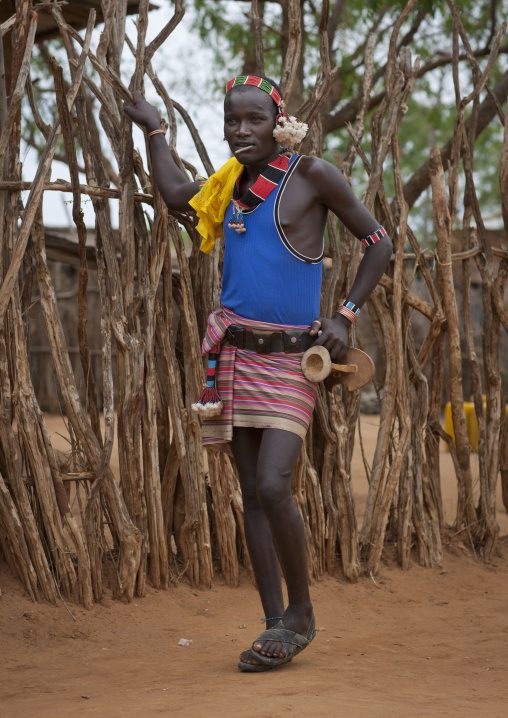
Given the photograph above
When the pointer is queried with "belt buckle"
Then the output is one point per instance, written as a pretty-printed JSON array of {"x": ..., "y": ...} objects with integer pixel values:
[{"x": 236, "y": 336}]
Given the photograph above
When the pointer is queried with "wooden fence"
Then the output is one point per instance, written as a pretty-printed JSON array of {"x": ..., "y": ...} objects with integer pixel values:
[{"x": 168, "y": 514}]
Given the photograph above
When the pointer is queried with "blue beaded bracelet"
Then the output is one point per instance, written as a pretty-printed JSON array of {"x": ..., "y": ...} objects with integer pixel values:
[{"x": 353, "y": 307}]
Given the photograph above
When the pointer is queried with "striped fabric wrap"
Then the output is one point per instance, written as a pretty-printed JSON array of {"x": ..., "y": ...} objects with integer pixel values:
[{"x": 258, "y": 390}]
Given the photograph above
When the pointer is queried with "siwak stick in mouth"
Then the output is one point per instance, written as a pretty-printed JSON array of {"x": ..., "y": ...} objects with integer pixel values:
[{"x": 242, "y": 149}]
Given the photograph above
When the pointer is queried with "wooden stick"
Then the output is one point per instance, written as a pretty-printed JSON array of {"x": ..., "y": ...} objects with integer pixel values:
[
  {"x": 19, "y": 89},
  {"x": 63, "y": 186},
  {"x": 294, "y": 48},
  {"x": 445, "y": 283},
  {"x": 38, "y": 185},
  {"x": 258, "y": 35}
]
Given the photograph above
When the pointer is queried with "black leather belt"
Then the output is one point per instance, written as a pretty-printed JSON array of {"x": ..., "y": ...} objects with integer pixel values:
[{"x": 291, "y": 341}]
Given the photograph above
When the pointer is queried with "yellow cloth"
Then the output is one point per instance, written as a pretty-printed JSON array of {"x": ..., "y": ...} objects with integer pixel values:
[{"x": 211, "y": 203}]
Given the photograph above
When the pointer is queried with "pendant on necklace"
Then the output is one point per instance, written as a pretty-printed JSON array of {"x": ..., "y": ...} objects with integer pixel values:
[{"x": 236, "y": 219}]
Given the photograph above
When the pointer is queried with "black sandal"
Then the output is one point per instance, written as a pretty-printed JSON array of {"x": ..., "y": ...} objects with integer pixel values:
[{"x": 294, "y": 643}]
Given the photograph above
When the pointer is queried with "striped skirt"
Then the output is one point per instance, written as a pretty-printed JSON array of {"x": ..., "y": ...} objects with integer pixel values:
[{"x": 266, "y": 391}]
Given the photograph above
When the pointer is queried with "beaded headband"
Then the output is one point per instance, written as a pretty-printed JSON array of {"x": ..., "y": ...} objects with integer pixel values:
[
  {"x": 255, "y": 81},
  {"x": 289, "y": 130}
]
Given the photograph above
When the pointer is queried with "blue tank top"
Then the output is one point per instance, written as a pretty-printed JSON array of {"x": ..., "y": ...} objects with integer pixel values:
[{"x": 264, "y": 278}]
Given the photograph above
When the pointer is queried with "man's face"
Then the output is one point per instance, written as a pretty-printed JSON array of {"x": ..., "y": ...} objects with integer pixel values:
[{"x": 249, "y": 119}]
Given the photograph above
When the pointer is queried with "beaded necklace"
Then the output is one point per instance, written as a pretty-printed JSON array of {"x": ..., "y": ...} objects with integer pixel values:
[{"x": 267, "y": 181}]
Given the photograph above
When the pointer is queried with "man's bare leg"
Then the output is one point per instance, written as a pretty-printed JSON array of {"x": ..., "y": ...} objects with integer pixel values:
[
  {"x": 245, "y": 446},
  {"x": 276, "y": 458}
]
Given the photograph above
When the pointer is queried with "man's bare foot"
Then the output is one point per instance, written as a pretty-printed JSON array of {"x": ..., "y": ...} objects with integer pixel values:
[
  {"x": 297, "y": 619},
  {"x": 246, "y": 656}
]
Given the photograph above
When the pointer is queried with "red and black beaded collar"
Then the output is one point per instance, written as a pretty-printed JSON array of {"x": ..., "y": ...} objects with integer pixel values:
[{"x": 267, "y": 181}]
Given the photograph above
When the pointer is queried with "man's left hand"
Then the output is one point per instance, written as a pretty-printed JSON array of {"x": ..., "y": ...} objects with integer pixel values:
[{"x": 333, "y": 335}]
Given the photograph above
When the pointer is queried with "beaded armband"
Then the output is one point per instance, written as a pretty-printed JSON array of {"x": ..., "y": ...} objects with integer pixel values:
[
  {"x": 374, "y": 237},
  {"x": 349, "y": 310}
]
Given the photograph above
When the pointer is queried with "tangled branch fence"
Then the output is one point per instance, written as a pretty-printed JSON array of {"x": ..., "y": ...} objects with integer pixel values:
[{"x": 70, "y": 526}]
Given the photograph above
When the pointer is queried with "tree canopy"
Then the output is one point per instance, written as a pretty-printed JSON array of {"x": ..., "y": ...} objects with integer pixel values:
[{"x": 227, "y": 28}]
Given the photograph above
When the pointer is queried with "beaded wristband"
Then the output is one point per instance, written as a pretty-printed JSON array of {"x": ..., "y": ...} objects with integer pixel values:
[
  {"x": 156, "y": 132},
  {"x": 374, "y": 237},
  {"x": 349, "y": 305}
]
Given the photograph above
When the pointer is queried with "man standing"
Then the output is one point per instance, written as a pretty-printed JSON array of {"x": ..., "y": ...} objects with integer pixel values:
[{"x": 272, "y": 210}]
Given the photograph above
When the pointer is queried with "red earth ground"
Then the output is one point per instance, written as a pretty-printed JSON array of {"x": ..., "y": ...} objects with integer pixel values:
[{"x": 426, "y": 642}]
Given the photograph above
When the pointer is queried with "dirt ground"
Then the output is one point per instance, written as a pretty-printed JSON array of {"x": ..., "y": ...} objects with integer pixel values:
[{"x": 426, "y": 642}]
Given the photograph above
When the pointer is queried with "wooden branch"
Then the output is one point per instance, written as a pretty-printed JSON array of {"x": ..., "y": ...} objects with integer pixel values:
[
  {"x": 44, "y": 129},
  {"x": 107, "y": 74},
  {"x": 445, "y": 284},
  {"x": 258, "y": 35},
  {"x": 136, "y": 83},
  {"x": 357, "y": 132},
  {"x": 84, "y": 583},
  {"x": 105, "y": 105},
  {"x": 380, "y": 315},
  {"x": 166, "y": 31},
  {"x": 420, "y": 180},
  {"x": 129, "y": 537},
  {"x": 294, "y": 47},
  {"x": 488, "y": 431},
  {"x": 203, "y": 154},
  {"x": 392, "y": 50},
  {"x": 349, "y": 110},
  {"x": 14, "y": 545},
  {"x": 91, "y": 509},
  {"x": 19, "y": 89},
  {"x": 409, "y": 298},
  {"x": 38, "y": 185},
  {"x": 8, "y": 25},
  {"x": 64, "y": 186},
  {"x": 481, "y": 81},
  {"x": 77, "y": 215}
]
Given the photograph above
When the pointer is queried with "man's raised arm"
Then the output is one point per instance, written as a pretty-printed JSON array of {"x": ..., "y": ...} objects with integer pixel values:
[{"x": 174, "y": 186}]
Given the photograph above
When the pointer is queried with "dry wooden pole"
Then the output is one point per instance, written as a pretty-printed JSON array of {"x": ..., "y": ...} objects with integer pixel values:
[
  {"x": 29, "y": 554},
  {"x": 13, "y": 542},
  {"x": 38, "y": 185},
  {"x": 408, "y": 481},
  {"x": 442, "y": 223},
  {"x": 19, "y": 89},
  {"x": 195, "y": 531},
  {"x": 294, "y": 47},
  {"x": 77, "y": 215},
  {"x": 24, "y": 407},
  {"x": 257, "y": 25},
  {"x": 225, "y": 524},
  {"x": 503, "y": 183},
  {"x": 488, "y": 431},
  {"x": 129, "y": 537}
]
